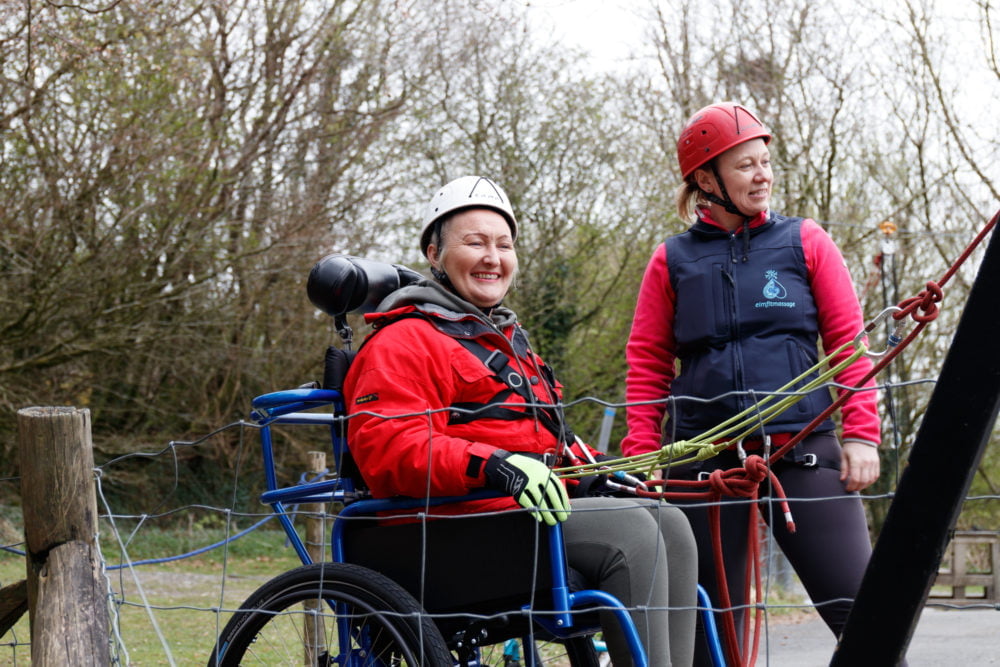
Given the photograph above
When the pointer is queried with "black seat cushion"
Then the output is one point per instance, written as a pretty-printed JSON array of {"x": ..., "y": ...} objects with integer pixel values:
[{"x": 471, "y": 566}]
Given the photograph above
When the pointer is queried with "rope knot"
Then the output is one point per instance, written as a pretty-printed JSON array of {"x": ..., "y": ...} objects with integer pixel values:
[
  {"x": 756, "y": 468},
  {"x": 740, "y": 482},
  {"x": 926, "y": 301},
  {"x": 718, "y": 481}
]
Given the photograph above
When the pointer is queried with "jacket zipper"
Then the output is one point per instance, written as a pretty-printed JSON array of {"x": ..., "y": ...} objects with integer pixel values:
[{"x": 734, "y": 323}]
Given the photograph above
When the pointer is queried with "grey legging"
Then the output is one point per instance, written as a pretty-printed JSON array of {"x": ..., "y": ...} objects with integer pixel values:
[{"x": 643, "y": 552}]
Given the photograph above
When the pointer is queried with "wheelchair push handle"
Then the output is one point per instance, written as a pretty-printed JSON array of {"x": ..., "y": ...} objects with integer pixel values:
[{"x": 267, "y": 407}]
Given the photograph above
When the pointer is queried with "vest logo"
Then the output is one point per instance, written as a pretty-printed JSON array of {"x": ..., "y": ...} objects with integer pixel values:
[
  {"x": 774, "y": 291},
  {"x": 367, "y": 398}
]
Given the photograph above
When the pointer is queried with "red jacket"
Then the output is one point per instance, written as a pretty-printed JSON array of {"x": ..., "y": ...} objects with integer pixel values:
[
  {"x": 399, "y": 390},
  {"x": 651, "y": 348}
]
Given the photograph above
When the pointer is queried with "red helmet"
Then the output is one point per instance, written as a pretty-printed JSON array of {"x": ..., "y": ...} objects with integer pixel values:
[{"x": 714, "y": 130}]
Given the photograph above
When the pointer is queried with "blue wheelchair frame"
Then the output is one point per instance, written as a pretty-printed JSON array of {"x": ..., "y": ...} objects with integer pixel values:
[{"x": 293, "y": 407}]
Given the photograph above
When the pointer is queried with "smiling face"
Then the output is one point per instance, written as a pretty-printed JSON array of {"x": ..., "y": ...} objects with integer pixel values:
[
  {"x": 746, "y": 171},
  {"x": 477, "y": 253}
]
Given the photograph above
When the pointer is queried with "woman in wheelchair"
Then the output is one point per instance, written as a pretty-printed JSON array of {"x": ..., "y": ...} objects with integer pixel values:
[{"x": 446, "y": 397}]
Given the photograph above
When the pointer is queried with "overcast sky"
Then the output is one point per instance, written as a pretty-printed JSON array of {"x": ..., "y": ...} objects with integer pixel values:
[
  {"x": 606, "y": 28},
  {"x": 613, "y": 29}
]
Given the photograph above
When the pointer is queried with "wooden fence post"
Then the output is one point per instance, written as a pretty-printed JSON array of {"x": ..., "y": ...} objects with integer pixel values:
[
  {"x": 67, "y": 601},
  {"x": 315, "y": 644}
]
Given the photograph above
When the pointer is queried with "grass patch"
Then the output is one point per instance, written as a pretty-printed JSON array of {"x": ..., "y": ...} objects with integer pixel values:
[
  {"x": 183, "y": 595},
  {"x": 186, "y": 598},
  {"x": 257, "y": 549}
]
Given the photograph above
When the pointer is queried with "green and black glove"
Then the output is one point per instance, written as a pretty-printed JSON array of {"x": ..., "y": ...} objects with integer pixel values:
[{"x": 530, "y": 482}]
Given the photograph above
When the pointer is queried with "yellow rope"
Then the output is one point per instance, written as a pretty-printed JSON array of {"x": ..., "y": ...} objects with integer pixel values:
[{"x": 729, "y": 432}]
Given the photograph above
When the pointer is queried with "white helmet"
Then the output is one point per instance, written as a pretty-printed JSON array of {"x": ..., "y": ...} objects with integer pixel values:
[{"x": 462, "y": 193}]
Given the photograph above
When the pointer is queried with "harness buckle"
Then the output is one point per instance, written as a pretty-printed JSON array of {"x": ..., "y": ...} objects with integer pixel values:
[
  {"x": 499, "y": 364},
  {"x": 809, "y": 460},
  {"x": 703, "y": 475},
  {"x": 491, "y": 361}
]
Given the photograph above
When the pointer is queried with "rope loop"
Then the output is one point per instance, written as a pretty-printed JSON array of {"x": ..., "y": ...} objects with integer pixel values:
[
  {"x": 740, "y": 482},
  {"x": 719, "y": 482},
  {"x": 926, "y": 301}
]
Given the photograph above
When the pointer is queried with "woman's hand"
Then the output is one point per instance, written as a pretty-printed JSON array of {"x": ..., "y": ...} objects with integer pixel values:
[
  {"x": 531, "y": 482},
  {"x": 859, "y": 465}
]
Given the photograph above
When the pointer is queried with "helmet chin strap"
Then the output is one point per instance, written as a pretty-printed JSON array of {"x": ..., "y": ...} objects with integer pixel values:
[
  {"x": 724, "y": 201},
  {"x": 441, "y": 277}
]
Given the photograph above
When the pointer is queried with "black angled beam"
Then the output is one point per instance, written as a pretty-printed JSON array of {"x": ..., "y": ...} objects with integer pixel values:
[{"x": 946, "y": 453}]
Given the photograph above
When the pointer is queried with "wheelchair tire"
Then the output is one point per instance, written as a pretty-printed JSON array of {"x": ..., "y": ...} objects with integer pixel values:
[
  {"x": 581, "y": 652},
  {"x": 363, "y": 618}
]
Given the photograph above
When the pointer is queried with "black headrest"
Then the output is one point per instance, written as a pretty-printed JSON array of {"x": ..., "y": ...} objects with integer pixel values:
[{"x": 341, "y": 284}]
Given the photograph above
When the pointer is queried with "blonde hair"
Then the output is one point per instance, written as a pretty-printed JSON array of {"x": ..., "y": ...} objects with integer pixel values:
[{"x": 687, "y": 198}]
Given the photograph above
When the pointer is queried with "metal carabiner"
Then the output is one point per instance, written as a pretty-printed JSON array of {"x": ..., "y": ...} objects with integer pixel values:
[
  {"x": 587, "y": 454},
  {"x": 740, "y": 452},
  {"x": 894, "y": 338},
  {"x": 628, "y": 481}
]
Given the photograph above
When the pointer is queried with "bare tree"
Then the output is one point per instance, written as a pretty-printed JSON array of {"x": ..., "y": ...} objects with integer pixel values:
[
  {"x": 868, "y": 130},
  {"x": 558, "y": 138},
  {"x": 174, "y": 168},
  {"x": 170, "y": 172}
]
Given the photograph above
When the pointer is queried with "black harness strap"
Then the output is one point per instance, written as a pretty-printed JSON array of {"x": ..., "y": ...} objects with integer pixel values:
[
  {"x": 465, "y": 413},
  {"x": 550, "y": 417},
  {"x": 499, "y": 363}
]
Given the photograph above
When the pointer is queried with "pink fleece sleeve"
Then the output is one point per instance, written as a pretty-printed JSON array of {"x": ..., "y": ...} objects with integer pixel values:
[
  {"x": 840, "y": 320},
  {"x": 650, "y": 355}
]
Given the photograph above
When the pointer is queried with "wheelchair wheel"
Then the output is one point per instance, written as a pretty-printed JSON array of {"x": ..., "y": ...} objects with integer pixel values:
[{"x": 331, "y": 614}]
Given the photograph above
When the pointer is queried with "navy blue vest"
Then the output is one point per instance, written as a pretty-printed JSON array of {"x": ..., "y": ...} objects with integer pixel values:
[{"x": 745, "y": 320}]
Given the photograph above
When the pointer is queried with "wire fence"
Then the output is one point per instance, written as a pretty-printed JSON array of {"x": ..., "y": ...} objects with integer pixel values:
[{"x": 175, "y": 573}]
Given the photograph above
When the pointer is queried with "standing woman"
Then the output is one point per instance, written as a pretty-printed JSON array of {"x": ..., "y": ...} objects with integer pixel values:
[{"x": 731, "y": 309}]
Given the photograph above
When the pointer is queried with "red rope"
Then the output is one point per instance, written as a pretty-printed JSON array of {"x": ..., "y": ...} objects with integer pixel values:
[
  {"x": 741, "y": 482},
  {"x": 744, "y": 482}
]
